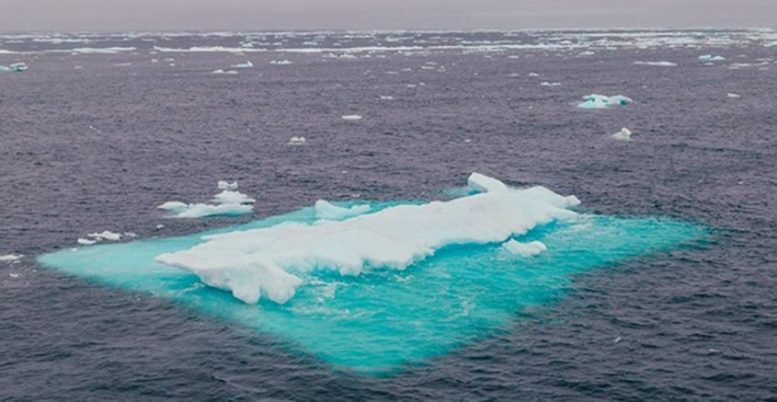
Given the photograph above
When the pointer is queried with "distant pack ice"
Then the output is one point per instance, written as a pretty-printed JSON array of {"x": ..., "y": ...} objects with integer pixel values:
[{"x": 272, "y": 262}]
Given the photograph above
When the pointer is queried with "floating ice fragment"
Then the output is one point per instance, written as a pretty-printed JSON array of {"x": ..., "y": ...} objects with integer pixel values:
[
  {"x": 329, "y": 211},
  {"x": 623, "y": 135},
  {"x": 595, "y": 101},
  {"x": 10, "y": 257},
  {"x": 533, "y": 75},
  {"x": 266, "y": 262},
  {"x": 247, "y": 64},
  {"x": 227, "y": 203},
  {"x": 85, "y": 242},
  {"x": 220, "y": 71},
  {"x": 524, "y": 249},
  {"x": 709, "y": 57},
  {"x": 656, "y": 63},
  {"x": 733, "y": 95},
  {"x": 17, "y": 67},
  {"x": 280, "y": 62},
  {"x": 297, "y": 141},
  {"x": 386, "y": 97},
  {"x": 352, "y": 117},
  {"x": 105, "y": 235},
  {"x": 549, "y": 84}
]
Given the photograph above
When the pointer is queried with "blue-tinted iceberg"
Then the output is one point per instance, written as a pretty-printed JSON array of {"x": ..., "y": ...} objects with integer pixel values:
[
  {"x": 387, "y": 319},
  {"x": 595, "y": 101}
]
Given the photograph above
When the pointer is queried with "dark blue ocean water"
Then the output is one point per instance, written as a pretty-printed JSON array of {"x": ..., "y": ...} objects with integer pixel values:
[{"x": 93, "y": 141}]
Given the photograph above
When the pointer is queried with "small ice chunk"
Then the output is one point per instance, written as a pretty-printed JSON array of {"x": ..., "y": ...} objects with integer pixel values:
[
  {"x": 623, "y": 135},
  {"x": 247, "y": 64},
  {"x": 709, "y": 57},
  {"x": 386, "y": 97},
  {"x": 595, "y": 101},
  {"x": 328, "y": 211},
  {"x": 18, "y": 67},
  {"x": 484, "y": 184},
  {"x": 656, "y": 63},
  {"x": 225, "y": 185},
  {"x": 220, "y": 71},
  {"x": 533, "y": 75},
  {"x": 352, "y": 117},
  {"x": 85, "y": 242},
  {"x": 733, "y": 95},
  {"x": 280, "y": 62},
  {"x": 203, "y": 210},
  {"x": 105, "y": 235},
  {"x": 173, "y": 206},
  {"x": 549, "y": 84},
  {"x": 524, "y": 249},
  {"x": 160, "y": 226},
  {"x": 10, "y": 257},
  {"x": 297, "y": 141}
]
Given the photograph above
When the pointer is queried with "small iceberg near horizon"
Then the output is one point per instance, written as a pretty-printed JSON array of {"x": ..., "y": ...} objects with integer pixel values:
[{"x": 595, "y": 101}]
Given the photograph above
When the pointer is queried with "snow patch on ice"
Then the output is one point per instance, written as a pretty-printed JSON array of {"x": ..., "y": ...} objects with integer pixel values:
[
  {"x": 271, "y": 262},
  {"x": 328, "y": 211}
]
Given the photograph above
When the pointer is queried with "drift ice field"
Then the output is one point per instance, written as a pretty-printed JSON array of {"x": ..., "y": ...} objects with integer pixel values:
[{"x": 401, "y": 283}]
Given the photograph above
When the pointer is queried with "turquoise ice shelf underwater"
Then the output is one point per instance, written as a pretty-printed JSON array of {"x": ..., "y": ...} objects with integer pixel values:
[{"x": 382, "y": 320}]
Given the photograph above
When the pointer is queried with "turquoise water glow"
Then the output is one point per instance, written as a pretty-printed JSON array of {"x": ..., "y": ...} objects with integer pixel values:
[{"x": 384, "y": 319}]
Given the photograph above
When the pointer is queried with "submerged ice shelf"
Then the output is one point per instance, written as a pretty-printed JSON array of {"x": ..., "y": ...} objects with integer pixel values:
[{"x": 380, "y": 321}]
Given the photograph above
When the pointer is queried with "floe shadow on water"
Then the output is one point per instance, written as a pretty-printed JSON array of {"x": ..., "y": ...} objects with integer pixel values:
[{"x": 384, "y": 320}]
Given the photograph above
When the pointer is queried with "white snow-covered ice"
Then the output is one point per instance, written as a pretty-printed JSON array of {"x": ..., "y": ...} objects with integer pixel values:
[
  {"x": 351, "y": 117},
  {"x": 271, "y": 262}
]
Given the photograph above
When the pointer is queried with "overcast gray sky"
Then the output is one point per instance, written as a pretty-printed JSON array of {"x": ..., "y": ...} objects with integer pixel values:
[{"x": 36, "y": 15}]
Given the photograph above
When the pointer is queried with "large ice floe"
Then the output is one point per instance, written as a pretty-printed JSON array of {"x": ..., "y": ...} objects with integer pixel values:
[
  {"x": 389, "y": 287},
  {"x": 228, "y": 202},
  {"x": 595, "y": 101},
  {"x": 268, "y": 262}
]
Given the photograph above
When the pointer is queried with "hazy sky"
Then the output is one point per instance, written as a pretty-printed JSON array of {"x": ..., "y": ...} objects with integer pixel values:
[{"x": 25, "y": 15}]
